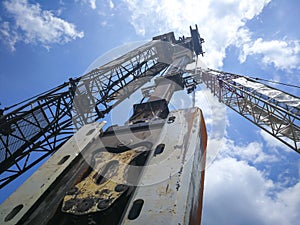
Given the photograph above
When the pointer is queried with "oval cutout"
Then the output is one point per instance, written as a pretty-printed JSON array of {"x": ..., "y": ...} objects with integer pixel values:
[
  {"x": 136, "y": 209},
  {"x": 90, "y": 132},
  {"x": 13, "y": 212},
  {"x": 121, "y": 188},
  {"x": 63, "y": 160},
  {"x": 159, "y": 149}
]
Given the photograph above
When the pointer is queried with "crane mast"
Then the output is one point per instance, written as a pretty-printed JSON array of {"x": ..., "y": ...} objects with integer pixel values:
[{"x": 149, "y": 169}]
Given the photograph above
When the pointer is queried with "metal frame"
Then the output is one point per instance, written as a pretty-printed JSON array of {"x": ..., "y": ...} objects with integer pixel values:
[
  {"x": 30, "y": 131},
  {"x": 41, "y": 125},
  {"x": 274, "y": 111},
  {"x": 26, "y": 197},
  {"x": 161, "y": 162}
]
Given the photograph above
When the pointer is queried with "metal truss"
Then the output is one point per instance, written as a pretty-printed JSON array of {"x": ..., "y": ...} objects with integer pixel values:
[
  {"x": 103, "y": 88},
  {"x": 38, "y": 128},
  {"x": 273, "y": 110}
]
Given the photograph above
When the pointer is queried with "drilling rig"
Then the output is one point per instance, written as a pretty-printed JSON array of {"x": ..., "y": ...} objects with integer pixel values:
[{"x": 149, "y": 170}]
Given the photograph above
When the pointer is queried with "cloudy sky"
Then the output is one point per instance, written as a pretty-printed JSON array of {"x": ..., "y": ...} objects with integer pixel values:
[{"x": 250, "y": 178}]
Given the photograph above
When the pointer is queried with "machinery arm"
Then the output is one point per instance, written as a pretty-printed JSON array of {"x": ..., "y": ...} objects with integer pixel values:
[
  {"x": 38, "y": 127},
  {"x": 34, "y": 129},
  {"x": 273, "y": 110},
  {"x": 110, "y": 182}
]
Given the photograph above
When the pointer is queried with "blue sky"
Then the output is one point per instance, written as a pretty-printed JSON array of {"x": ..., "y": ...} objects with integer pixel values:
[{"x": 250, "y": 178}]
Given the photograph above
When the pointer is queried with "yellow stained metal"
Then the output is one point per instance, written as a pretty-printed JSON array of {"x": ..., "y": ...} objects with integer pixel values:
[{"x": 104, "y": 185}]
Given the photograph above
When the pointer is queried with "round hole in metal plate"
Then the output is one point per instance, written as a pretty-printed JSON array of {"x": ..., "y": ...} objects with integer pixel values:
[
  {"x": 63, "y": 160},
  {"x": 136, "y": 209},
  {"x": 13, "y": 212}
]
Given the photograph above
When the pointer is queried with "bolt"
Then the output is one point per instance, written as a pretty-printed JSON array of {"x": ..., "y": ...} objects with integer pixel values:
[
  {"x": 103, "y": 203},
  {"x": 85, "y": 205}
]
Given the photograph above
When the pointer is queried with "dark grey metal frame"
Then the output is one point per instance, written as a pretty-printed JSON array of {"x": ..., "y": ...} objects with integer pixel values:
[{"x": 43, "y": 124}]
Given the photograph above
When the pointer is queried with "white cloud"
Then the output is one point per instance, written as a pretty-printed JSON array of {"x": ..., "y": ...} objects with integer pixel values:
[
  {"x": 214, "y": 111},
  {"x": 250, "y": 152},
  {"x": 222, "y": 23},
  {"x": 31, "y": 24},
  {"x": 103, "y": 23},
  {"x": 218, "y": 21},
  {"x": 8, "y": 35},
  {"x": 111, "y": 4},
  {"x": 282, "y": 54},
  {"x": 236, "y": 193},
  {"x": 92, "y": 4},
  {"x": 214, "y": 114}
]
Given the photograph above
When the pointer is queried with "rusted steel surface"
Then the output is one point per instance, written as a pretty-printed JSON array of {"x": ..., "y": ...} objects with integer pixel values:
[
  {"x": 145, "y": 173},
  {"x": 21, "y": 201},
  {"x": 171, "y": 187},
  {"x": 108, "y": 181}
]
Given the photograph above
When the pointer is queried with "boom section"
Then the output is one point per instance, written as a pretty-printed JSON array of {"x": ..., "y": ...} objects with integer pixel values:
[{"x": 271, "y": 109}]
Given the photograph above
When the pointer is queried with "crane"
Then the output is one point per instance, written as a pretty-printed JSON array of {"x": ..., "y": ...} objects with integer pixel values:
[{"x": 132, "y": 171}]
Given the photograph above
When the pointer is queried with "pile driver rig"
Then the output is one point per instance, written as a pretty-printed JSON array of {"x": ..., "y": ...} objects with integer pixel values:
[{"x": 149, "y": 170}]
